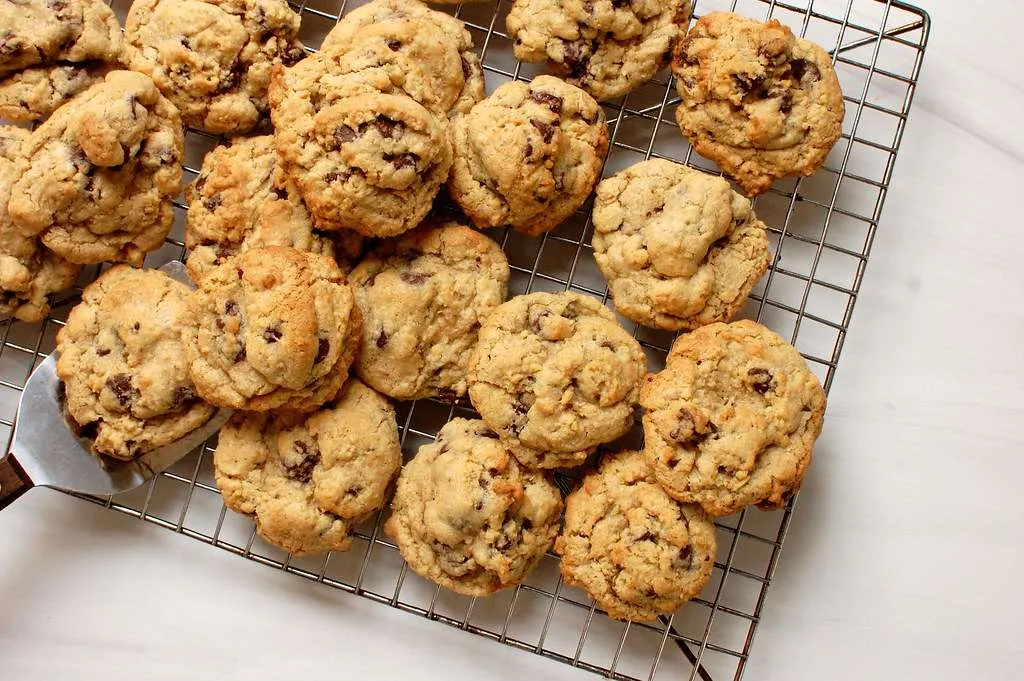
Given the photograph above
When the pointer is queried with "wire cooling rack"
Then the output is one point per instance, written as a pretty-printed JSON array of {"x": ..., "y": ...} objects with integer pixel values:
[{"x": 821, "y": 230}]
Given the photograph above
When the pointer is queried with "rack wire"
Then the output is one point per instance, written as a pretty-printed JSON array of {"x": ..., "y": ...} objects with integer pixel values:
[{"x": 821, "y": 231}]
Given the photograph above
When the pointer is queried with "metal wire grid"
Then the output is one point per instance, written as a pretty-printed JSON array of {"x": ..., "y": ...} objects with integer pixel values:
[{"x": 822, "y": 229}]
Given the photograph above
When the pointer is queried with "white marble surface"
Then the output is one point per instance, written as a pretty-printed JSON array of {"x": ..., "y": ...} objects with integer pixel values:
[{"x": 904, "y": 557}]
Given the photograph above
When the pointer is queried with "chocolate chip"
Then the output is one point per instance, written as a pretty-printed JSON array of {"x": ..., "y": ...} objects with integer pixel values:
[
  {"x": 478, "y": 505},
  {"x": 271, "y": 335},
  {"x": 336, "y": 176},
  {"x": 619, "y": 4},
  {"x": 387, "y": 127},
  {"x": 353, "y": 491},
  {"x": 447, "y": 395},
  {"x": 231, "y": 307},
  {"x": 786, "y": 105},
  {"x": 646, "y": 536},
  {"x": 748, "y": 84},
  {"x": 394, "y": 45},
  {"x": 553, "y": 102},
  {"x": 303, "y": 471},
  {"x": 520, "y": 408},
  {"x": 528, "y": 152},
  {"x": 536, "y": 319},
  {"x": 685, "y": 433},
  {"x": 488, "y": 434},
  {"x": 343, "y": 134},
  {"x": 240, "y": 355},
  {"x": 576, "y": 56},
  {"x": 323, "y": 346},
  {"x": 232, "y": 78},
  {"x": 213, "y": 203},
  {"x": 121, "y": 386},
  {"x": 182, "y": 395},
  {"x": 414, "y": 278},
  {"x": 200, "y": 183},
  {"x": 136, "y": 327},
  {"x": 382, "y": 338},
  {"x": 527, "y": 523},
  {"x": 467, "y": 68},
  {"x": 546, "y": 130},
  {"x": 761, "y": 380},
  {"x": 399, "y": 161},
  {"x": 279, "y": 192},
  {"x": 804, "y": 71},
  {"x": 102, "y": 352},
  {"x": 293, "y": 55}
]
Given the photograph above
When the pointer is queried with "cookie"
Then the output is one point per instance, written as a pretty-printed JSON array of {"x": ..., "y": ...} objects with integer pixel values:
[
  {"x": 732, "y": 418},
  {"x": 422, "y": 298},
  {"x": 44, "y": 31},
  {"x": 241, "y": 200},
  {"x": 466, "y": 516},
  {"x": 606, "y": 47},
  {"x": 29, "y": 273},
  {"x": 555, "y": 376},
  {"x": 678, "y": 247},
  {"x": 403, "y": 45},
  {"x": 96, "y": 180},
  {"x": 213, "y": 58},
  {"x": 36, "y": 92},
  {"x": 369, "y": 162},
  {"x": 757, "y": 100},
  {"x": 120, "y": 357},
  {"x": 271, "y": 327},
  {"x": 528, "y": 155},
  {"x": 308, "y": 480},
  {"x": 638, "y": 552}
]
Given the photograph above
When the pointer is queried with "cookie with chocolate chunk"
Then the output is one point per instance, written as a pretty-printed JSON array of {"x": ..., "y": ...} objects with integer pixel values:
[
  {"x": 96, "y": 180},
  {"x": 121, "y": 358},
  {"x": 36, "y": 92},
  {"x": 555, "y": 376},
  {"x": 308, "y": 480},
  {"x": 466, "y": 516},
  {"x": 732, "y": 419},
  {"x": 213, "y": 58},
  {"x": 44, "y": 31},
  {"x": 757, "y": 100},
  {"x": 528, "y": 155},
  {"x": 271, "y": 327}
]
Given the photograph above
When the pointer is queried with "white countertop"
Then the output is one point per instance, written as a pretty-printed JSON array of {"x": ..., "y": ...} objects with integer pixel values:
[{"x": 904, "y": 556}]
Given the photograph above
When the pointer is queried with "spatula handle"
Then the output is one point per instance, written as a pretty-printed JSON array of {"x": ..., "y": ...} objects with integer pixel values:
[{"x": 13, "y": 480}]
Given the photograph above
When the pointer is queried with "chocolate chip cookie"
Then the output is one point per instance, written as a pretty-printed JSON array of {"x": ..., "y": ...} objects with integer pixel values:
[
  {"x": 466, "y": 516},
  {"x": 271, "y": 327},
  {"x": 29, "y": 273},
  {"x": 96, "y": 180},
  {"x": 370, "y": 162},
  {"x": 732, "y": 418},
  {"x": 36, "y": 92},
  {"x": 636, "y": 551},
  {"x": 241, "y": 200},
  {"x": 528, "y": 155},
  {"x": 123, "y": 366},
  {"x": 607, "y": 47},
  {"x": 43, "y": 31},
  {"x": 213, "y": 58},
  {"x": 757, "y": 100},
  {"x": 678, "y": 247},
  {"x": 308, "y": 480},
  {"x": 422, "y": 298},
  {"x": 555, "y": 376},
  {"x": 403, "y": 45}
]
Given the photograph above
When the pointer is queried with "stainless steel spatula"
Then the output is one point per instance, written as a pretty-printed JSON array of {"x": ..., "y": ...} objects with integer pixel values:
[{"x": 45, "y": 452}]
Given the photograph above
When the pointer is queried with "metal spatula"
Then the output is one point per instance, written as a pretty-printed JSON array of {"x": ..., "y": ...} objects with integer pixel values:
[{"x": 45, "y": 452}]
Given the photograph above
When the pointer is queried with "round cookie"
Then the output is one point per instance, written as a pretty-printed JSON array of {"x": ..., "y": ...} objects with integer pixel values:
[
  {"x": 558, "y": 134},
  {"x": 308, "y": 480},
  {"x": 121, "y": 359},
  {"x": 606, "y": 47},
  {"x": 96, "y": 180},
  {"x": 29, "y": 273},
  {"x": 405, "y": 45},
  {"x": 732, "y": 418},
  {"x": 638, "y": 552},
  {"x": 271, "y": 327},
  {"x": 213, "y": 58},
  {"x": 678, "y": 247},
  {"x": 241, "y": 200},
  {"x": 555, "y": 376},
  {"x": 42, "y": 31},
  {"x": 466, "y": 516},
  {"x": 423, "y": 297},
  {"x": 36, "y": 92},
  {"x": 757, "y": 100},
  {"x": 369, "y": 162}
]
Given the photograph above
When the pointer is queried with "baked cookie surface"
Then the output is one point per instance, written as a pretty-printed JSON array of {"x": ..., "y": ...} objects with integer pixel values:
[
  {"x": 241, "y": 200},
  {"x": 29, "y": 273},
  {"x": 96, "y": 179},
  {"x": 271, "y": 327},
  {"x": 422, "y": 298},
  {"x": 34, "y": 93},
  {"x": 638, "y": 552},
  {"x": 757, "y": 100},
  {"x": 528, "y": 155},
  {"x": 466, "y": 516},
  {"x": 308, "y": 480},
  {"x": 555, "y": 375},
  {"x": 40, "y": 31},
  {"x": 732, "y": 419},
  {"x": 213, "y": 58},
  {"x": 121, "y": 359},
  {"x": 606, "y": 47},
  {"x": 678, "y": 247}
]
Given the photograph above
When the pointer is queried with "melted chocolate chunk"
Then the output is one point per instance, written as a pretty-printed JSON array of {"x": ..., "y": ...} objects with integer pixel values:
[
  {"x": 183, "y": 395},
  {"x": 553, "y": 102},
  {"x": 414, "y": 278},
  {"x": 323, "y": 346},
  {"x": 388, "y": 127},
  {"x": 447, "y": 395},
  {"x": 121, "y": 386},
  {"x": 336, "y": 176},
  {"x": 394, "y": 45},
  {"x": 399, "y": 161},
  {"x": 546, "y": 130},
  {"x": 804, "y": 71},
  {"x": 303, "y": 471},
  {"x": 343, "y": 134},
  {"x": 761, "y": 380},
  {"x": 292, "y": 55},
  {"x": 213, "y": 203},
  {"x": 271, "y": 335},
  {"x": 382, "y": 338},
  {"x": 102, "y": 352}
]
